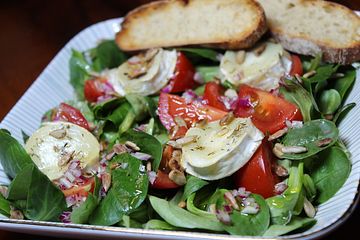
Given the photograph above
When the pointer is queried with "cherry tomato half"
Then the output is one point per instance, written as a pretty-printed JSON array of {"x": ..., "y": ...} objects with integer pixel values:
[
  {"x": 256, "y": 176},
  {"x": 81, "y": 190},
  {"x": 268, "y": 112},
  {"x": 171, "y": 106},
  {"x": 94, "y": 88},
  {"x": 212, "y": 94},
  {"x": 162, "y": 180},
  {"x": 67, "y": 113},
  {"x": 296, "y": 66},
  {"x": 183, "y": 78}
]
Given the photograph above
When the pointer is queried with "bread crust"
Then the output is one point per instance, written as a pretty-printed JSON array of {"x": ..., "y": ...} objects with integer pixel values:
[
  {"x": 247, "y": 39},
  {"x": 307, "y": 46}
]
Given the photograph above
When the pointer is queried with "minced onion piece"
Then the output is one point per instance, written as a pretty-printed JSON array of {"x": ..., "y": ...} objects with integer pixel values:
[
  {"x": 198, "y": 78},
  {"x": 294, "y": 124},
  {"x": 232, "y": 200},
  {"x": 223, "y": 217},
  {"x": 69, "y": 176},
  {"x": 280, "y": 187},
  {"x": 65, "y": 217},
  {"x": 66, "y": 183},
  {"x": 250, "y": 210}
]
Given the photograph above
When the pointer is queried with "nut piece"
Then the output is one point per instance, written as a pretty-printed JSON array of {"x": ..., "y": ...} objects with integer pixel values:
[
  {"x": 277, "y": 150},
  {"x": 182, "y": 204},
  {"x": 309, "y": 74},
  {"x": 132, "y": 145},
  {"x": 4, "y": 191},
  {"x": 281, "y": 171},
  {"x": 16, "y": 214},
  {"x": 309, "y": 208},
  {"x": 278, "y": 134},
  {"x": 293, "y": 149},
  {"x": 227, "y": 119},
  {"x": 106, "y": 181},
  {"x": 58, "y": 134},
  {"x": 324, "y": 142},
  {"x": 177, "y": 177},
  {"x": 65, "y": 158}
]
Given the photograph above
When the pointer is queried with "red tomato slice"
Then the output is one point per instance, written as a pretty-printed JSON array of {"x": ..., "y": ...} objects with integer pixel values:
[
  {"x": 296, "y": 66},
  {"x": 256, "y": 176},
  {"x": 94, "y": 88},
  {"x": 183, "y": 78},
  {"x": 81, "y": 190},
  {"x": 268, "y": 112},
  {"x": 212, "y": 94},
  {"x": 67, "y": 113},
  {"x": 171, "y": 106},
  {"x": 162, "y": 180}
]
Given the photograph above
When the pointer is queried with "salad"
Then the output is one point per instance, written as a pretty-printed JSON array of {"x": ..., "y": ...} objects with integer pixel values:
[{"x": 236, "y": 142}]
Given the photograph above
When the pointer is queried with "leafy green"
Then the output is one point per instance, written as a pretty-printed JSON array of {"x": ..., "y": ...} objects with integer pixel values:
[
  {"x": 190, "y": 205},
  {"x": 179, "y": 217},
  {"x": 295, "y": 93},
  {"x": 309, "y": 187},
  {"x": 4, "y": 206},
  {"x": 295, "y": 224},
  {"x": 342, "y": 85},
  {"x": 139, "y": 105},
  {"x": 79, "y": 72},
  {"x": 193, "y": 184},
  {"x": 342, "y": 112},
  {"x": 105, "y": 108},
  {"x": 13, "y": 156},
  {"x": 82, "y": 213},
  {"x": 282, "y": 206},
  {"x": 128, "y": 191},
  {"x": 200, "y": 53},
  {"x": 128, "y": 122},
  {"x": 310, "y": 136},
  {"x": 330, "y": 172},
  {"x": 200, "y": 90},
  {"x": 329, "y": 101},
  {"x": 44, "y": 201},
  {"x": 147, "y": 144},
  {"x": 20, "y": 185},
  {"x": 208, "y": 73},
  {"x": 128, "y": 222},
  {"x": 107, "y": 55},
  {"x": 159, "y": 224},
  {"x": 323, "y": 73},
  {"x": 250, "y": 224}
]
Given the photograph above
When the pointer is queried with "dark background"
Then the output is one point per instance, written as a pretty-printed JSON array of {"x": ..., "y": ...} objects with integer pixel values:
[{"x": 33, "y": 31}]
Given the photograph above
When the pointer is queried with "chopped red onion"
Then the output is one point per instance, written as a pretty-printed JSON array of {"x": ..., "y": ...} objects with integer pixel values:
[
  {"x": 120, "y": 148},
  {"x": 244, "y": 102},
  {"x": 66, "y": 183},
  {"x": 167, "y": 88},
  {"x": 70, "y": 200},
  {"x": 223, "y": 217},
  {"x": 189, "y": 96},
  {"x": 151, "y": 176},
  {"x": 141, "y": 156},
  {"x": 69, "y": 176},
  {"x": 230, "y": 93},
  {"x": 250, "y": 210},
  {"x": 227, "y": 209},
  {"x": 65, "y": 217},
  {"x": 243, "y": 193},
  {"x": 248, "y": 201},
  {"x": 275, "y": 91}
]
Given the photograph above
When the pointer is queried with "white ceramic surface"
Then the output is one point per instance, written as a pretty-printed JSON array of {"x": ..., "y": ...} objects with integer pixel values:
[{"x": 52, "y": 87}]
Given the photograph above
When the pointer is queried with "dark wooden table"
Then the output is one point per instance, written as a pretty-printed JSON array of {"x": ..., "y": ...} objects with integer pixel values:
[{"x": 33, "y": 31}]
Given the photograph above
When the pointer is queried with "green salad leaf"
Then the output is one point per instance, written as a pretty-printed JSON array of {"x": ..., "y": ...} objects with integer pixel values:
[
  {"x": 202, "y": 53},
  {"x": 128, "y": 191},
  {"x": 343, "y": 84},
  {"x": 208, "y": 73},
  {"x": 312, "y": 135},
  {"x": 282, "y": 206},
  {"x": 179, "y": 217},
  {"x": 250, "y": 224},
  {"x": 107, "y": 55},
  {"x": 13, "y": 156},
  {"x": 330, "y": 172},
  {"x": 79, "y": 72},
  {"x": 147, "y": 144},
  {"x": 295, "y": 93},
  {"x": 4, "y": 206},
  {"x": 192, "y": 185},
  {"x": 159, "y": 224}
]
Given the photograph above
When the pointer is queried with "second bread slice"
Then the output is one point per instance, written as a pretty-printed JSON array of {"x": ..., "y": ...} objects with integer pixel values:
[{"x": 230, "y": 24}]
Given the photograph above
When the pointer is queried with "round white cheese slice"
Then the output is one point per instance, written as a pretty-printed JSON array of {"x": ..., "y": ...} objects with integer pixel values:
[
  {"x": 219, "y": 151},
  {"x": 262, "y": 70},
  {"x": 55, "y": 144}
]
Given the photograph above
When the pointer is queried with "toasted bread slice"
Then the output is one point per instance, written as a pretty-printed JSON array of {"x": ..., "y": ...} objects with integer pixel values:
[
  {"x": 231, "y": 24},
  {"x": 312, "y": 26}
]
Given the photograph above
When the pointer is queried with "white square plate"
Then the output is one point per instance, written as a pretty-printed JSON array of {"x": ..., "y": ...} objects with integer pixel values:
[{"x": 53, "y": 87}]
